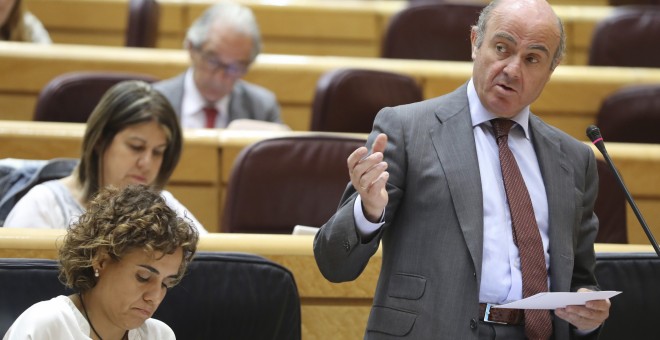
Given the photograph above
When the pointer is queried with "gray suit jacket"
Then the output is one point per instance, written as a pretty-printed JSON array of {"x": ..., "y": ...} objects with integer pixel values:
[
  {"x": 248, "y": 101},
  {"x": 432, "y": 239}
]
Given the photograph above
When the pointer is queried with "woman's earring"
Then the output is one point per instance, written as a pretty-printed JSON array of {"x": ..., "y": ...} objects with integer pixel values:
[{"x": 96, "y": 273}]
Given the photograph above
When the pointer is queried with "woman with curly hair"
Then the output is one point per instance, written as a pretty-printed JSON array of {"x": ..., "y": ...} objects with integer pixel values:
[
  {"x": 132, "y": 137},
  {"x": 120, "y": 258},
  {"x": 17, "y": 24}
]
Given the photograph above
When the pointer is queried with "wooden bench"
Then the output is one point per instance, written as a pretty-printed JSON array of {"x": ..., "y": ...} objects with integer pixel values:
[
  {"x": 341, "y": 28},
  {"x": 327, "y": 308},
  {"x": 203, "y": 173},
  {"x": 570, "y": 101}
]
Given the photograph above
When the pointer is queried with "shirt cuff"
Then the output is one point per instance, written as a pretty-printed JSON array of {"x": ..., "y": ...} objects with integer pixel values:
[{"x": 365, "y": 228}]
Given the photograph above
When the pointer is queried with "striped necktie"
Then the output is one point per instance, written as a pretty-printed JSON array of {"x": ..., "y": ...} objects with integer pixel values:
[{"x": 526, "y": 234}]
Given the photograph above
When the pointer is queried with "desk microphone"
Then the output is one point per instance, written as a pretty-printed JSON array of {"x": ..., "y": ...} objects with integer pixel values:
[{"x": 593, "y": 132}]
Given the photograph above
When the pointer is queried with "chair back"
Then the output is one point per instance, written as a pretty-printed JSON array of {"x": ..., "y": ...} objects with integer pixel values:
[
  {"x": 610, "y": 207},
  {"x": 233, "y": 296},
  {"x": 435, "y": 31},
  {"x": 71, "y": 97},
  {"x": 222, "y": 295},
  {"x": 279, "y": 183},
  {"x": 634, "y": 312},
  {"x": 633, "y": 2},
  {"x": 18, "y": 176},
  {"x": 24, "y": 282},
  {"x": 631, "y": 115},
  {"x": 142, "y": 30},
  {"x": 347, "y": 100},
  {"x": 628, "y": 37}
]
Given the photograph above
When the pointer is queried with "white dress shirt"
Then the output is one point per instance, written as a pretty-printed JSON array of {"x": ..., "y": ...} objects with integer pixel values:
[
  {"x": 501, "y": 279},
  {"x": 192, "y": 113}
]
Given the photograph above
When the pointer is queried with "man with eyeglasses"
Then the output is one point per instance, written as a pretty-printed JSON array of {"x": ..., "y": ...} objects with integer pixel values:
[{"x": 222, "y": 43}]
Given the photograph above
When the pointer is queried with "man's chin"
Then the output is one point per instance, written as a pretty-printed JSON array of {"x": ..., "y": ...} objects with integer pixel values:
[
  {"x": 213, "y": 97},
  {"x": 504, "y": 111}
]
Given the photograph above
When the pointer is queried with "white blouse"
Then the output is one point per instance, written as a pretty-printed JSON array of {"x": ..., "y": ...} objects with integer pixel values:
[
  {"x": 58, "y": 318},
  {"x": 50, "y": 205}
]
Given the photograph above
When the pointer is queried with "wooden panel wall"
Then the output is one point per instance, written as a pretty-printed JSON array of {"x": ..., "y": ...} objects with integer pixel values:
[{"x": 305, "y": 27}]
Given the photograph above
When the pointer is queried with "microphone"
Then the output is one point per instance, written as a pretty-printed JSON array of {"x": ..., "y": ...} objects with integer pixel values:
[{"x": 593, "y": 132}]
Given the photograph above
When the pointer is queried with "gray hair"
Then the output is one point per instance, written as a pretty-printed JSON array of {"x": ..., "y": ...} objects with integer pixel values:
[
  {"x": 238, "y": 17},
  {"x": 486, "y": 14}
]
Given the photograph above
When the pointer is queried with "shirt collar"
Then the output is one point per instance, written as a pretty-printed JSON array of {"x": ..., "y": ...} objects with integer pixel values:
[
  {"x": 480, "y": 114},
  {"x": 193, "y": 102}
]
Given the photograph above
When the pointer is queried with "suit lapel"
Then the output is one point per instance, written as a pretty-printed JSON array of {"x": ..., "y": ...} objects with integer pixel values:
[
  {"x": 454, "y": 144},
  {"x": 176, "y": 94},
  {"x": 557, "y": 177},
  {"x": 237, "y": 104}
]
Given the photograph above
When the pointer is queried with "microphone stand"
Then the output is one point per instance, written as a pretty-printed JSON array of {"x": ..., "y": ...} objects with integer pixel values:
[{"x": 594, "y": 135}]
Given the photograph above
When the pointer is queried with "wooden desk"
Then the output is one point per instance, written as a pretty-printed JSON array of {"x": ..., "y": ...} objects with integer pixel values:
[
  {"x": 570, "y": 101},
  {"x": 340, "y": 28},
  {"x": 337, "y": 309},
  {"x": 639, "y": 165},
  {"x": 202, "y": 175}
]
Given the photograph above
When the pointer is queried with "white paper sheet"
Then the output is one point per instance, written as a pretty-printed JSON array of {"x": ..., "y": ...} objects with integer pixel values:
[{"x": 555, "y": 300}]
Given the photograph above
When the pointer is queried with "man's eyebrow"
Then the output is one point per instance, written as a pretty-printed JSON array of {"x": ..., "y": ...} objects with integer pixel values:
[
  {"x": 540, "y": 47},
  {"x": 509, "y": 37},
  {"x": 506, "y": 36}
]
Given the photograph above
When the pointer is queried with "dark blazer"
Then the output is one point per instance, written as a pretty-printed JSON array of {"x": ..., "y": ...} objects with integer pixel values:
[
  {"x": 433, "y": 236},
  {"x": 248, "y": 101}
]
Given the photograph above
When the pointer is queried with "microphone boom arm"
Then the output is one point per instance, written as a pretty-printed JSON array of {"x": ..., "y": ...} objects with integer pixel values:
[{"x": 594, "y": 134}]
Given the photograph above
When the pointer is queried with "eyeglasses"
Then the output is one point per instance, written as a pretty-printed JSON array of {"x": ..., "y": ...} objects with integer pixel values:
[{"x": 213, "y": 64}]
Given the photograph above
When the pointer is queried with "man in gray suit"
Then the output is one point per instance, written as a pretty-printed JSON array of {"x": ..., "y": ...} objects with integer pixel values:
[
  {"x": 222, "y": 44},
  {"x": 432, "y": 191}
]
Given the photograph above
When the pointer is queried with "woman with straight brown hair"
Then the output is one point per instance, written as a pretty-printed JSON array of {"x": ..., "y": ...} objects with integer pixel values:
[{"x": 132, "y": 137}]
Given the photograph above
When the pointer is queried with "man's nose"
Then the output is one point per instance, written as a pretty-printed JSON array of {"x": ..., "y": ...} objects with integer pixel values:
[{"x": 512, "y": 68}]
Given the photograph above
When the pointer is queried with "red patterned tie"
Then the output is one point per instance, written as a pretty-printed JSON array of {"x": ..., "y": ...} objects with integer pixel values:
[
  {"x": 211, "y": 114},
  {"x": 526, "y": 235}
]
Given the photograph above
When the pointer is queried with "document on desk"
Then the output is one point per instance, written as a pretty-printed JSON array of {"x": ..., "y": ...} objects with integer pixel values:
[{"x": 553, "y": 300}]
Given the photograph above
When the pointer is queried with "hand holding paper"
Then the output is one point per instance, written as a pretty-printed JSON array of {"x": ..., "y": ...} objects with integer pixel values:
[
  {"x": 554, "y": 300},
  {"x": 586, "y": 309}
]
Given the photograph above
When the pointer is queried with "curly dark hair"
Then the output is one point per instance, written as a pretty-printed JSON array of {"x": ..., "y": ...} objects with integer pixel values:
[{"x": 118, "y": 221}]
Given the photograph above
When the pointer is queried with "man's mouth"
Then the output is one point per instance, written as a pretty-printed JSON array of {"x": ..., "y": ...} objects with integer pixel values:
[{"x": 506, "y": 88}]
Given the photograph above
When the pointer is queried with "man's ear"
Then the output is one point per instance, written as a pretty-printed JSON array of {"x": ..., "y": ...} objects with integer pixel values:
[
  {"x": 189, "y": 47},
  {"x": 555, "y": 63},
  {"x": 473, "y": 41}
]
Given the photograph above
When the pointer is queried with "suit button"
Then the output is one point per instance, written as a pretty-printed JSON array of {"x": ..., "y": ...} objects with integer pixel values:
[
  {"x": 473, "y": 323},
  {"x": 347, "y": 245}
]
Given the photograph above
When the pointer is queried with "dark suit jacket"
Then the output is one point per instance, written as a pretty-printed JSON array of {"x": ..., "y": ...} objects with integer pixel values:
[
  {"x": 433, "y": 236},
  {"x": 248, "y": 101}
]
